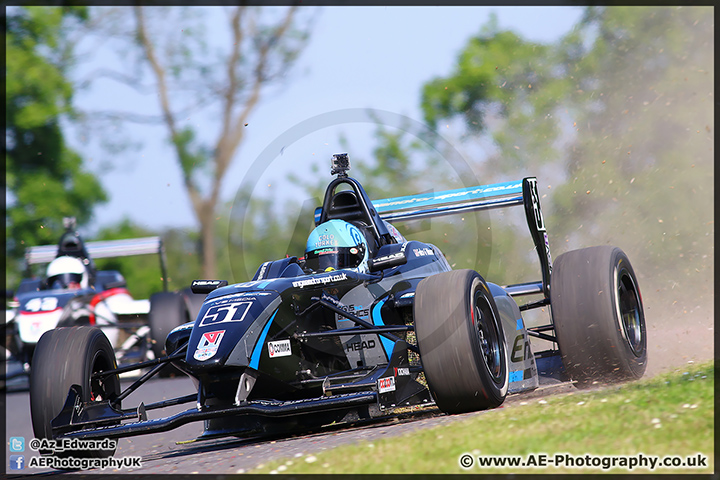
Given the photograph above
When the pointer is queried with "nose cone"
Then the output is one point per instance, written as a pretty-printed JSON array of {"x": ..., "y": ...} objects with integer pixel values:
[{"x": 228, "y": 327}]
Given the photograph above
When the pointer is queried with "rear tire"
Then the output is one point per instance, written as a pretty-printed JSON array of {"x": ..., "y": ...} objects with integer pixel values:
[
  {"x": 65, "y": 357},
  {"x": 461, "y": 342},
  {"x": 598, "y": 315},
  {"x": 194, "y": 302},
  {"x": 167, "y": 311}
]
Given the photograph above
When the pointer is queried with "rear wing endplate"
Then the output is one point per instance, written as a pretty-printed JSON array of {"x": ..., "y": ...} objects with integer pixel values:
[
  {"x": 105, "y": 249},
  {"x": 484, "y": 197}
]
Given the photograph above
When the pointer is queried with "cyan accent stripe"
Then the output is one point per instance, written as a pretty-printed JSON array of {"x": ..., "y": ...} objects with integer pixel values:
[
  {"x": 519, "y": 324},
  {"x": 448, "y": 196},
  {"x": 377, "y": 320},
  {"x": 516, "y": 376},
  {"x": 255, "y": 358}
]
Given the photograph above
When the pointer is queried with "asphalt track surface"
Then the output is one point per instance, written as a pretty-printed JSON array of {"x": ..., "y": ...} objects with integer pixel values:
[{"x": 176, "y": 452}]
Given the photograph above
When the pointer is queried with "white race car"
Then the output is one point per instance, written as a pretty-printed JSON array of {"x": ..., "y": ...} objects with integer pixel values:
[{"x": 73, "y": 292}]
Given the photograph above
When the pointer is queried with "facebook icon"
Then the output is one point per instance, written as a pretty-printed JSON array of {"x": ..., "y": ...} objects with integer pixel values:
[{"x": 17, "y": 462}]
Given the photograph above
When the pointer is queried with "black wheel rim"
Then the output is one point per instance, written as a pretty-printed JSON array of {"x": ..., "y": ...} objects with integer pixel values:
[
  {"x": 101, "y": 388},
  {"x": 485, "y": 325},
  {"x": 630, "y": 312}
]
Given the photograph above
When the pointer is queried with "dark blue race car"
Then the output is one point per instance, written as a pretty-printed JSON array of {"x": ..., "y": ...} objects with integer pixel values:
[{"x": 365, "y": 323}]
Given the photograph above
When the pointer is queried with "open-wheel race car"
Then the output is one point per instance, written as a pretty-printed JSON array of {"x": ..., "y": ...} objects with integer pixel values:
[
  {"x": 365, "y": 323},
  {"x": 74, "y": 292}
]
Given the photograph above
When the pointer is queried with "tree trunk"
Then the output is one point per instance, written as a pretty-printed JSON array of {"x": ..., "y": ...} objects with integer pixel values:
[
  {"x": 207, "y": 233},
  {"x": 240, "y": 98}
]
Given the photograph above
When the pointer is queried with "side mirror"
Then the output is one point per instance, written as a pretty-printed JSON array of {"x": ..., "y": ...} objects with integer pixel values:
[
  {"x": 387, "y": 261},
  {"x": 206, "y": 286}
]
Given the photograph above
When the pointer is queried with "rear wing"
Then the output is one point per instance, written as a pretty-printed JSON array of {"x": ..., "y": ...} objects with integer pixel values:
[
  {"x": 449, "y": 202},
  {"x": 106, "y": 249},
  {"x": 484, "y": 197}
]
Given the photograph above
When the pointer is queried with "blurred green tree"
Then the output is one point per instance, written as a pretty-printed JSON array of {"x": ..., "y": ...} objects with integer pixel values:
[{"x": 45, "y": 179}]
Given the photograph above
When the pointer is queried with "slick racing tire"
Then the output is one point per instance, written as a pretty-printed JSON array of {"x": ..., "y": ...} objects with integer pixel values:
[
  {"x": 194, "y": 302},
  {"x": 598, "y": 315},
  {"x": 65, "y": 357},
  {"x": 167, "y": 311},
  {"x": 461, "y": 342}
]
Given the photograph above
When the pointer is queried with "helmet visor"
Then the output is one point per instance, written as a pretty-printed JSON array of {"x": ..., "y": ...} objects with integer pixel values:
[
  {"x": 64, "y": 280},
  {"x": 335, "y": 258}
]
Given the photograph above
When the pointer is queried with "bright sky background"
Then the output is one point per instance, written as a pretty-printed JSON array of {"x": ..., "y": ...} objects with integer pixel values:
[{"x": 357, "y": 57}]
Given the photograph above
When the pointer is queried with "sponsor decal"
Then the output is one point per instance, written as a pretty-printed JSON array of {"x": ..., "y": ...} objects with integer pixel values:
[
  {"x": 387, "y": 258},
  {"x": 261, "y": 275},
  {"x": 207, "y": 283},
  {"x": 520, "y": 349},
  {"x": 327, "y": 240},
  {"x": 535, "y": 199},
  {"x": 255, "y": 283},
  {"x": 357, "y": 310},
  {"x": 247, "y": 296},
  {"x": 280, "y": 348},
  {"x": 208, "y": 345},
  {"x": 423, "y": 252},
  {"x": 362, "y": 345},
  {"x": 386, "y": 384},
  {"x": 401, "y": 371},
  {"x": 320, "y": 280}
]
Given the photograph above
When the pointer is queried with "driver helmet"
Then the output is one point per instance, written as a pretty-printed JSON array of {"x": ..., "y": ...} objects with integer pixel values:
[
  {"x": 336, "y": 245},
  {"x": 67, "y": 272}
]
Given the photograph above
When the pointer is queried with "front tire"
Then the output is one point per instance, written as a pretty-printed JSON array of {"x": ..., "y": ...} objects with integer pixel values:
[
  {"x": 598, "y": 315},
  {"x": 461, "y": 342},
  {"x": 65, "y": 357}
]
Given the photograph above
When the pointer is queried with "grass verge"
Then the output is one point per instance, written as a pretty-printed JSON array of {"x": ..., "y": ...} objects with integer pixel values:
[{"x": 670, "y": 415}]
